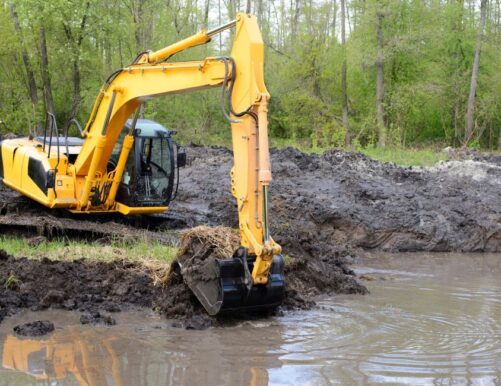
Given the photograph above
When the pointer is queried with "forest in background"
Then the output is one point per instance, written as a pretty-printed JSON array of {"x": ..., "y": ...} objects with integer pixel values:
[{"x": 381, "y": 73}]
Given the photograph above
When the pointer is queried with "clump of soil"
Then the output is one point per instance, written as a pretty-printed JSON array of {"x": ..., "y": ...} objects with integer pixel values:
[
  {"x": 97, "y": 318},
  {"x": 199, "y": 248},
  {"x": 38, "y": 328}
]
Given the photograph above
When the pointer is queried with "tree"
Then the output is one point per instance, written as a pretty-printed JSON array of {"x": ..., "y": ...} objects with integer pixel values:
[
  {"x": 381, "y": 126},
  {"x": 344, "y": 82},
  {"x": 44, "y": 69},
  {"x": 470, "y": 110},
  {"x": 30, "y": 75}
]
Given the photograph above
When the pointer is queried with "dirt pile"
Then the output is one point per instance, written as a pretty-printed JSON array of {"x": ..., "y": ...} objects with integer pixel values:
[
  {"x": 305, "y": 278},
  {"x": 80, "y": 285},
  {"x": 338, "y": 198}
]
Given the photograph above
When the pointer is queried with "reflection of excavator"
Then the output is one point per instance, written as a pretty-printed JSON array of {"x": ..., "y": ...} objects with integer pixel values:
[
  {"x": 76, "y": 355},
  {"x": 61, "y": 355},
  {"x": 128, "y": 165}
]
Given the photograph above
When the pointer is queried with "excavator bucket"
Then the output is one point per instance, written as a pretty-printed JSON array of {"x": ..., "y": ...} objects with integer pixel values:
[{"x": 226, "y": 284}]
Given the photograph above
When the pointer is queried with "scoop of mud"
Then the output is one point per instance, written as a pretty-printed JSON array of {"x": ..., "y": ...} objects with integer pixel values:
[
  {"x": 195, "y": 261},
  {"x": 200, "y": 247},
  {"x": 304, "y": 278}
]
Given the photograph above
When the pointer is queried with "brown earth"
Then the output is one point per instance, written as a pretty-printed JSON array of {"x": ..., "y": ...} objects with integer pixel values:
[{"x": 98, "y": 288}]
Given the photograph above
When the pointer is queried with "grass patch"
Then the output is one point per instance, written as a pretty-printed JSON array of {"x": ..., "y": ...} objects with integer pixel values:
[
  {"x": 405, "y": 157},
  {"x": 141, "y": 250},
  {"x": 399, "y": 156}
]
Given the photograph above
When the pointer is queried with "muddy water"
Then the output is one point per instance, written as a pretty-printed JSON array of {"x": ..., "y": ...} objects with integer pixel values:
[{"x": 429, "y": 319}]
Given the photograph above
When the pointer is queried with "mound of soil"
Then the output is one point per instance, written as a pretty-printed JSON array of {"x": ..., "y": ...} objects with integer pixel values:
[
  {"x": 97, "y": 318},
  {"x": 38, "y": 328},
  {"x": 81, "y": 285},
  {"x": 321, "y": 201}
]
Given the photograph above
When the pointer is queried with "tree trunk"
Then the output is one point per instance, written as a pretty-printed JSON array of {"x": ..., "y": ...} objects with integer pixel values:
[
  {"x": 295, "y": 18},
  {"x": 75, "y": 41},
  {"x": 44, "y": 65},
  {"x": 344, "y": 82},
  {"x": 470, "y": 108},
  {"x": 206, "y": 14},
  {"x": 77, "y": 98},
  {"x": 32, "y": 86},
  {"x": 499, "y": 139},
  {"x": 248, "y": 7},
  {"x": 379, "y": 84},
  {"x": 457, "y": 75}
]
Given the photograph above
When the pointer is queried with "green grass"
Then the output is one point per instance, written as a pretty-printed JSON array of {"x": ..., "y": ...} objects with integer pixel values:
[
  {"x": 399, "y": 156},
  {"x": 142, "y": 250},
  {"x": 405, "y": 157}
]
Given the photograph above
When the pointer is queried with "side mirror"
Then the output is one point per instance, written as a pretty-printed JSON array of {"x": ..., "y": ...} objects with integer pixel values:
[{"x": 181, "y": 157}]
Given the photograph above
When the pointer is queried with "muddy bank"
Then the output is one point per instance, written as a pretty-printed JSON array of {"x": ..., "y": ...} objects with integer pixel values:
[
  {"x": 80, "y": 285},
  {"x": 339, "y": 198},
  {"x": 318, "y": 202},
  {"x": 97, "y": 289}
]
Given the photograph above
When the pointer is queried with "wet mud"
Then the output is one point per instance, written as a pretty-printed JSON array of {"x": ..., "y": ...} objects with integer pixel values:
[
  {"x": 90, "y": 287},
  {"x": 319, "y": 202},
  {"x": 97, "y": 289}
]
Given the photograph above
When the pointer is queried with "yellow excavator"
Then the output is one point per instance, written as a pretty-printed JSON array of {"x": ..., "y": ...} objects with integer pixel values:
[{"x": 127, "y": 165}]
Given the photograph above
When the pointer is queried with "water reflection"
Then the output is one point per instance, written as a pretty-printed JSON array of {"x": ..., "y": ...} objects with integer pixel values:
[
  {"x": 69, "y": 353},
  {"x": 428, "y": 320},
  {"x": 141, "y": 350}
]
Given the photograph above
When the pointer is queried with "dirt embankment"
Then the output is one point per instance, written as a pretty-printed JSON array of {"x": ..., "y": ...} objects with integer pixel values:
[
  {"x": 319, "y": 202},
  {"x": 99, "y": 288}
]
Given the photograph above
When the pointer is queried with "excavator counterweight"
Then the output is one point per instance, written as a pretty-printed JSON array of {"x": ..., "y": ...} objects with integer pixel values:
[{"x": 131, "y": 166}]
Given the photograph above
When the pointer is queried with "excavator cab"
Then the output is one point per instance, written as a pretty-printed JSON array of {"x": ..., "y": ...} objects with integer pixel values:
[{"x": 149, "y": 177}]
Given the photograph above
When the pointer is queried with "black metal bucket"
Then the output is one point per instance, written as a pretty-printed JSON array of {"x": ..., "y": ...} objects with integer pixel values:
[{"x": 231, "y": 288}]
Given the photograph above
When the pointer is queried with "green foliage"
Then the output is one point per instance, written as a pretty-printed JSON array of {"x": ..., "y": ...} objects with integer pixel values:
[{"x": 427, "y": 53}]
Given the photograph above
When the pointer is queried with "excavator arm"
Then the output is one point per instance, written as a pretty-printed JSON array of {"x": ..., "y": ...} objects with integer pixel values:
[{"x": 242, "y": 74}]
